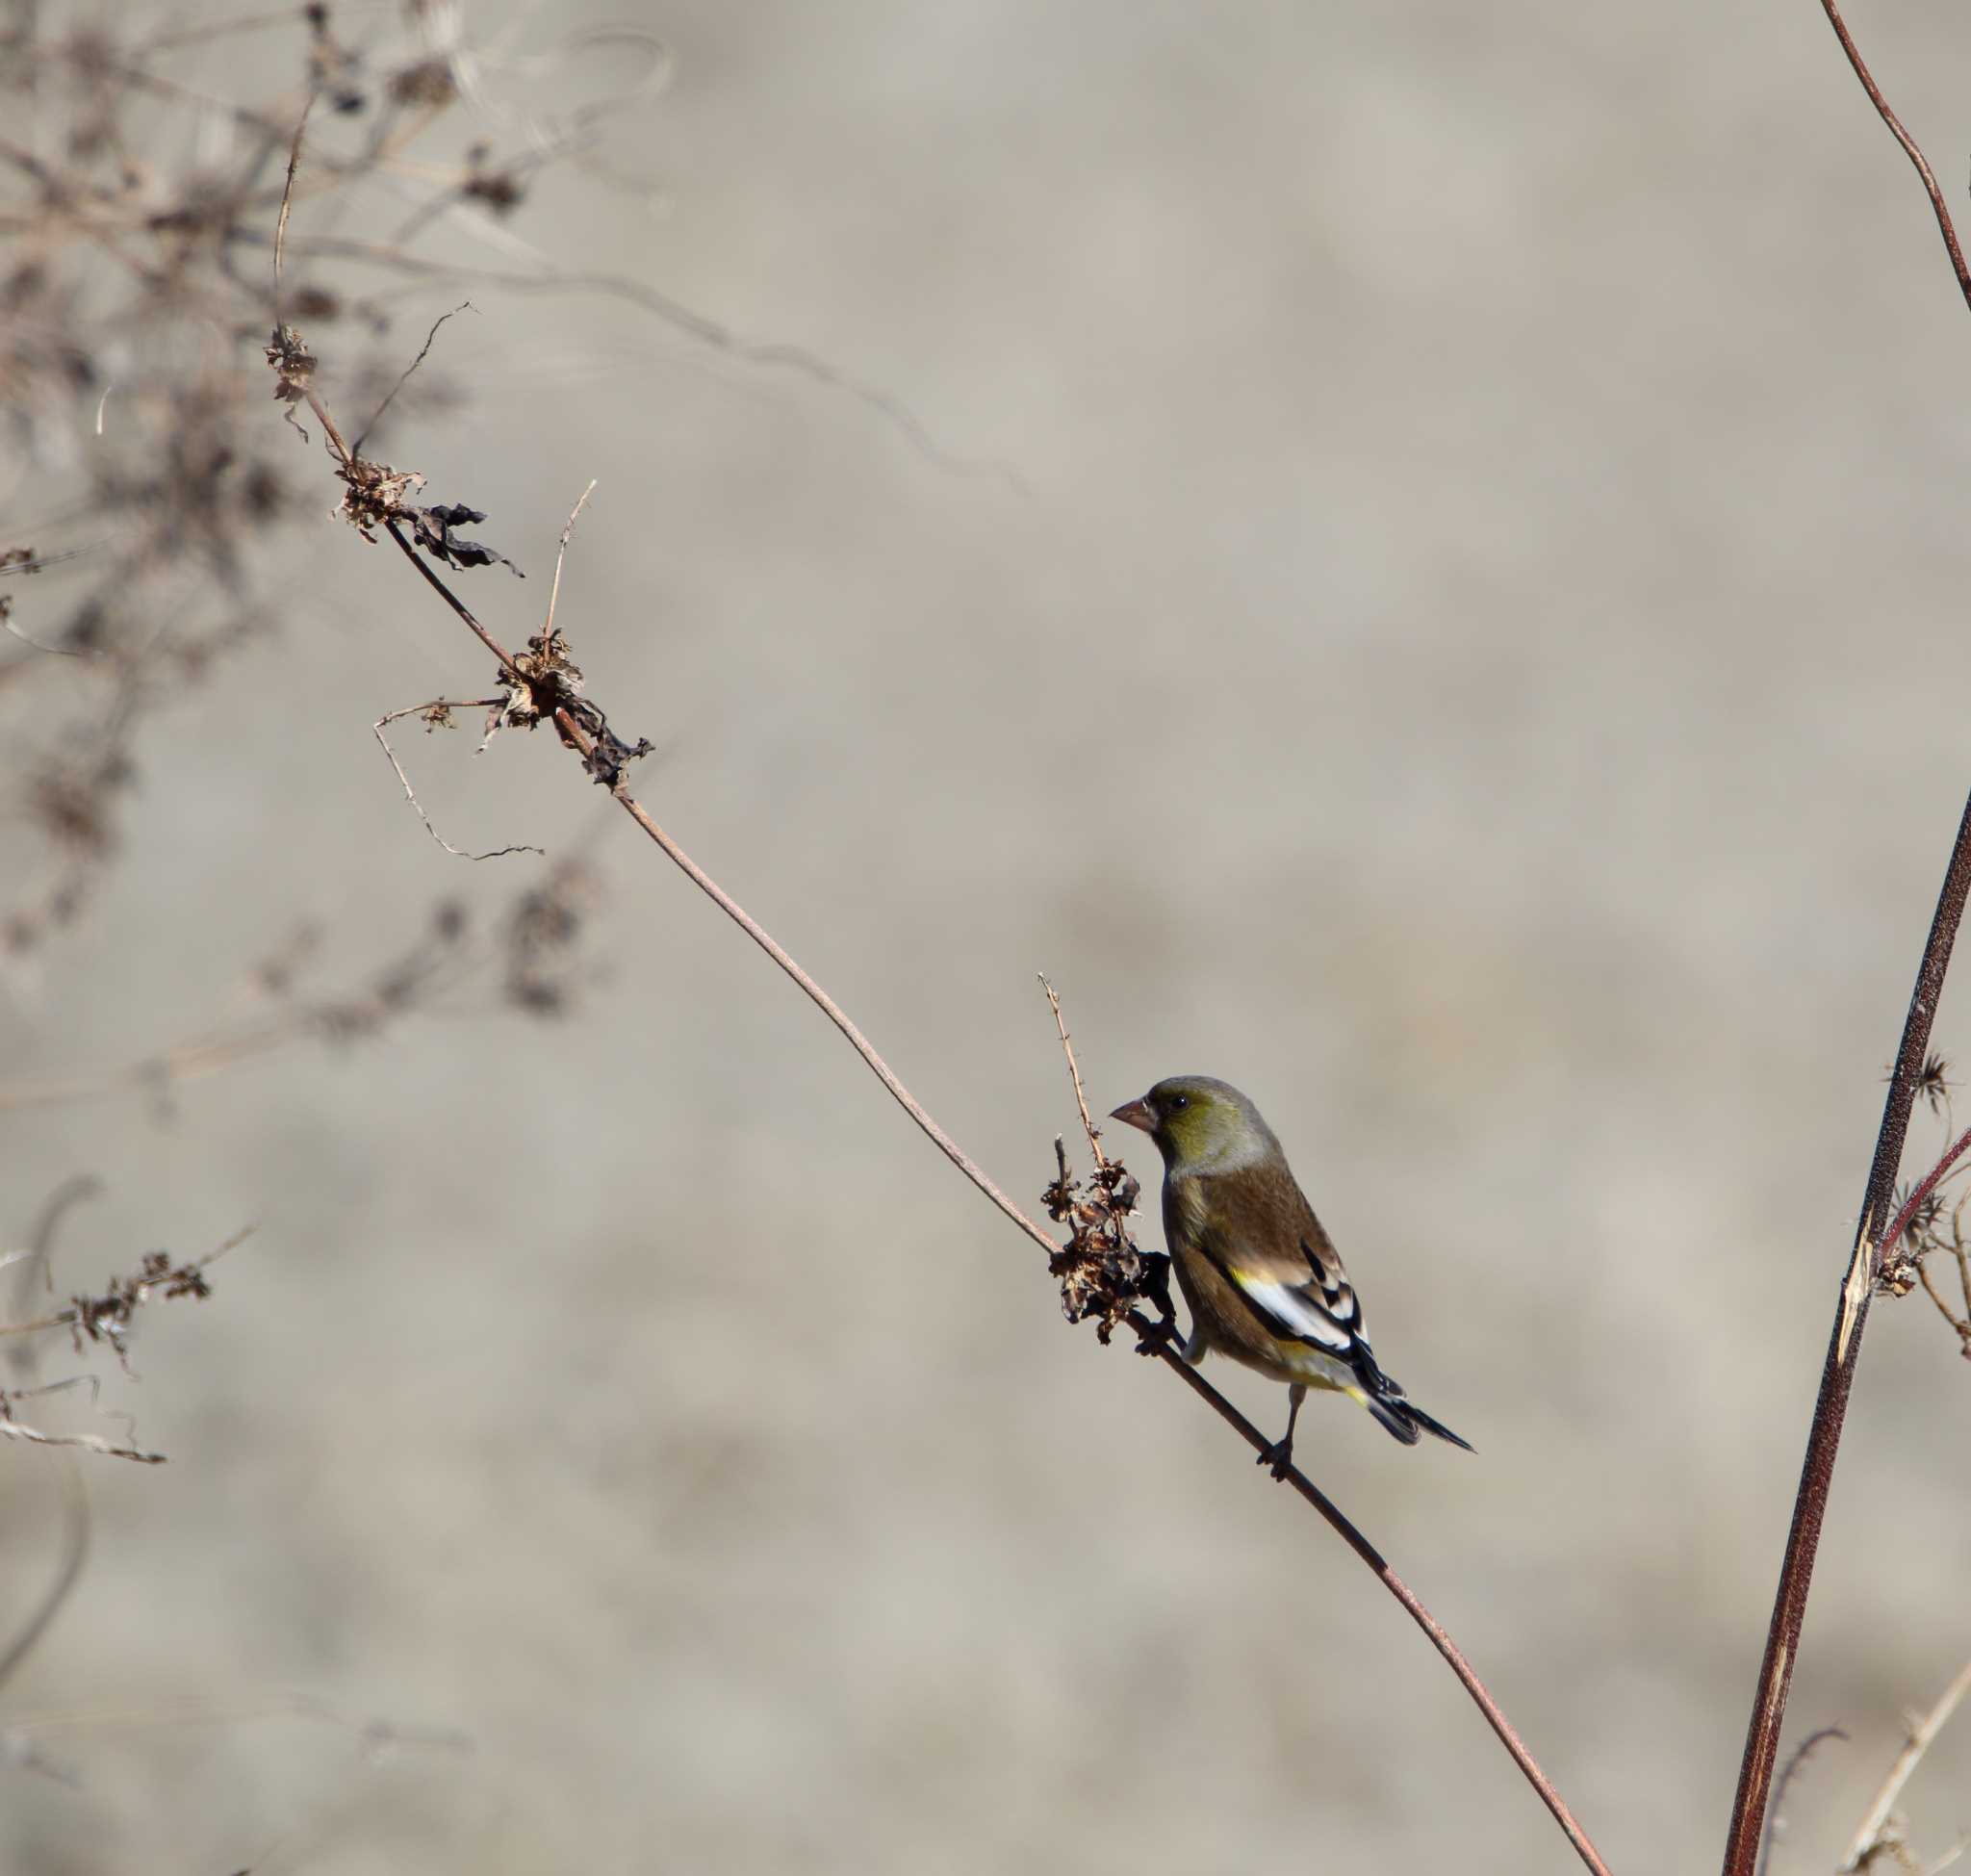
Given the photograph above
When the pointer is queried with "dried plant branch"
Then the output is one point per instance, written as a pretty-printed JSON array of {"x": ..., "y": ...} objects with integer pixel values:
[
  {"x": 1440, "y": 1639},
  {"x": 181, "y": 1062},
  {"x": 37, "y": 1258},
  {"x": 1146, "y": 1326},
  {"x": 1869, "y": 1833},
  {"x": 1912, "y": 1072},
  {"x": 1074, "y": 1072},
  {"x": 23, "y": 1360},
  {"x": 280, "y": 227},
  {"x": 1837, "y": 1375},
  {"x": 530, "y": 961},
  {"x": 1919, "y": 1196},
  {"x": 538, "y": 694},
  {"x": 1910, "y": 149},
  {"x": 424, "y": 352},
  {"x": 561, "y": 554},
  {"x": 544, "y": 686},
  {"x": 15, "y": 1429},
  {"x": 109, "y": 1314},
  {"x": 1961, "y": 1324},
  {"x": 75, "y": 1536},
  {"x": 694, "y": 325},
  {"x": 1776, "y": 1821},
  {"x": 437, "y": 716}
]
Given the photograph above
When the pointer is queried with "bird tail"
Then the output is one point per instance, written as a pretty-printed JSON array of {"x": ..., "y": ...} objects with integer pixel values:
[
  {"x": 1421, "y": 1419},
  {"x": 1386, "y": 1401},
  {"x": 1398, "y": 1419}
]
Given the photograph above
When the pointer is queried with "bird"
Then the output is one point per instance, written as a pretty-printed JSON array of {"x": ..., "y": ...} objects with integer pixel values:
[{"x": 1262, "y": 1280}]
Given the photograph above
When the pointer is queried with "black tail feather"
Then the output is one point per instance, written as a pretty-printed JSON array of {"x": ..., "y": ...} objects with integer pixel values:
[
  {"x": 1387, "y": 1403},
  {"x": 1398, "y": 1418},
  {"x": 1405, "y": 1422},
  {"x": 1437, "y": 1426}
]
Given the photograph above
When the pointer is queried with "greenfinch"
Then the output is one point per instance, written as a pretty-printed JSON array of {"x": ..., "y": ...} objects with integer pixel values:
[{"x": 1262, "y": 1282}]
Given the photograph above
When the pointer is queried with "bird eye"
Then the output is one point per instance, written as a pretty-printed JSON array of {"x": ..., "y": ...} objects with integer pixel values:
[{"x": 1180, "y": 1100}]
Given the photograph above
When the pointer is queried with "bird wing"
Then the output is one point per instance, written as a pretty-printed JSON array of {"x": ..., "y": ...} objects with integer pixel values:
[
  {"x": 1258, "y": 1232},
  {"x": 1264, "y": 1239}
]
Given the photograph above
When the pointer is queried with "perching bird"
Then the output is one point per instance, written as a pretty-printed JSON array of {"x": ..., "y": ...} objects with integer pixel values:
[{"x": 1264, "y": 1284}]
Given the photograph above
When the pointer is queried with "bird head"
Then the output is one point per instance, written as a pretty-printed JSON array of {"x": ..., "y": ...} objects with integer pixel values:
[{"x": 1200, "y": 1125}]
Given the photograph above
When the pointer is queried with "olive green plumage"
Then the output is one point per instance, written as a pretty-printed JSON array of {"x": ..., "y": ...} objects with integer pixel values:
[{"x": 1264, "y": 1283}]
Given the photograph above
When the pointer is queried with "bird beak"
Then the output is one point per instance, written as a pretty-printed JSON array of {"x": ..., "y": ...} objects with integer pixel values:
[{"x": 1137, "y": 1113}]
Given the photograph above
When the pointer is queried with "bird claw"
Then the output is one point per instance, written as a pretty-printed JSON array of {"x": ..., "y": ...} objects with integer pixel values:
[
  {"x": 1158, "y": 1337},
  {"x": 1279, "y": 1455}
]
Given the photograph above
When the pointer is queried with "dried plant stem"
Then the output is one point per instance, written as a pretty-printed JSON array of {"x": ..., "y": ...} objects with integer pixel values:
[
  {"x": 1920, "y": 1736},
  {"x": 185, "y": 1062},
  {"x": 1809, "y": 1506},
  {"x": 1910, "y": 148},
  {"x": 443, "y": 705},
  {"x": 1837, "y": 1375},
  {"x": 579, "y": 740},
  {"x": 1776, "y": 1822},
  {"x": 75, "y": 1538},
  {"x": 1074, "y": 1074},
  {"x": 13, "y": 1430},
  {"x": 1960, "y": 1323},
  {"x": 561, "y": 554},
  {"x": 821, "y": 1000},
  {"x": 280, "y": 227},
  {"x": 1919, "y": 1191},
  {"x": 1413, "y": 1606},
  {"x": 1495, "y": 1716},
  {"x": 574, "y": 735}
]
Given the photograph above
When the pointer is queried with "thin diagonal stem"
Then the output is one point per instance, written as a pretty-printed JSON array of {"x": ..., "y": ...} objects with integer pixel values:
[
  {"x": 1440, "y": 1639},
  {"x": 1921, "y": 1737},
  {"x": 576, "y": 738},
  {"x": 1910, "y": 148},
  {"x": 1413, "y": 1606}
]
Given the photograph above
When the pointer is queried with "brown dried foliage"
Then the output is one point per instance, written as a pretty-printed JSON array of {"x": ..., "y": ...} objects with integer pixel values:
[
  {"x": 135, "y": 299},
  {"x": 1102, "y": 1272}
]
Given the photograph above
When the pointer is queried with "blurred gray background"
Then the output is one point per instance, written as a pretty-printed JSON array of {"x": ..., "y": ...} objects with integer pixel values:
[{"x": 1438, "y": 596}]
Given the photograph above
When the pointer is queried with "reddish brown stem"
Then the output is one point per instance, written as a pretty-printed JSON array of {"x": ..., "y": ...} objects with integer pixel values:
[
  {"x": 1529, "y": 1767},
  {"x": 572, "y": 733},
  {"x": 1837, "y": 1374},
  {"x": 1924, "y": 1187},
  {"x": 1454, "y": 1655},
  {"x": 1910, "y": 148}
]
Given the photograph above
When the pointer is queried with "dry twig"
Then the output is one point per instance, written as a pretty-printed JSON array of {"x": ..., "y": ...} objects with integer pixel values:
[
  {"x": 1872, "y": 1834},
  {"x": 437, "y": 716},
  {"x": 109, "y": 1314},
  {"x": 15, "y": 1429},
  {"x": 1918, "y": 161},
  {"x": 1776, "y": 1821},
  {"x": 540, "y": 691}
]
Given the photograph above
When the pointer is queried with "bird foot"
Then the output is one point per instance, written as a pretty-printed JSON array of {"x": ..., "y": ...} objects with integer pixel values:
[
  {"x": 1280, "y": 1456},
  {"x": 1158, "y": 1337}
]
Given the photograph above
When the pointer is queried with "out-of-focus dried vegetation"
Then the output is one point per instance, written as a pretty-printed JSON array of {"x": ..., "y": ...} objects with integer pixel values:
[
  {"x": 150, "y": 516},
  {"x": 147, "y": 508}
]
